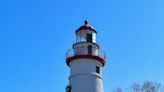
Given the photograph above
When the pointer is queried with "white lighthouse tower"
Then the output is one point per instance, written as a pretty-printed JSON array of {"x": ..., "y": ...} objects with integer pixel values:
[{"x": 85, "y": 60}]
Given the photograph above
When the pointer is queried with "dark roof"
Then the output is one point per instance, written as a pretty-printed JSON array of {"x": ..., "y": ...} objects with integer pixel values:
[{"x": 86, "y": 27}]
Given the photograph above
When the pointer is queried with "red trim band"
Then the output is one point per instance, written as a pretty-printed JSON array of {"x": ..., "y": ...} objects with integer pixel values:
[{"x": 69, "y": 59}]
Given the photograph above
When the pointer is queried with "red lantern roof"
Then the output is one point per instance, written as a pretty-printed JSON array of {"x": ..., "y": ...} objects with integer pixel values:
[{"x": 86, "y": 27}]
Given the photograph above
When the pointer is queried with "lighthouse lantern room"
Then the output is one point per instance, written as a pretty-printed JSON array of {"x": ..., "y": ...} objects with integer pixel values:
[{"x": 85, "y": 60}]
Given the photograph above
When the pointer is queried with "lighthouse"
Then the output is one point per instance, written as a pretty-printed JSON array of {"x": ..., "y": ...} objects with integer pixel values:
[{"x": 85, "y": 61}]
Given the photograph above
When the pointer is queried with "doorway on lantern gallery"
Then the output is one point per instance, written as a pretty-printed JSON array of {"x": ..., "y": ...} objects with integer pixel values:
[
  {"x": 89, "y": 49},
  {"x": 89, "y": 37}
]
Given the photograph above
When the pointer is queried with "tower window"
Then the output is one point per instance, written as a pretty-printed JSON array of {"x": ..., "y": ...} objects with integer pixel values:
[{"x": 97, "y": 69}]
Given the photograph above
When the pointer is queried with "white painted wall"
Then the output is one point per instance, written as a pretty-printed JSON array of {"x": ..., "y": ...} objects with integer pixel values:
[{"x": 83, "y": 76}]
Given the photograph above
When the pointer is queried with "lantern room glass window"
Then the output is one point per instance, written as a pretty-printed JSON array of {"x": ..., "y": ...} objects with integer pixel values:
[{"x": 86, "y": 36}]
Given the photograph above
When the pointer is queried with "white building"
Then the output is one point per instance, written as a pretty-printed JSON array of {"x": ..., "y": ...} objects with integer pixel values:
[{"x": 85, "y": 60}]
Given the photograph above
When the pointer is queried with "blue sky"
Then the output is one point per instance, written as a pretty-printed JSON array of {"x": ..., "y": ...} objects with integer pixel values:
[{"x": 35, "y": 35}]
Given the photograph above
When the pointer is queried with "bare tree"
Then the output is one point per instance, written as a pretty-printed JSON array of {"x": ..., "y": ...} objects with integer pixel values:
[
  {"x": 161, "y": 89},
  {"x": 117, "y": 90},
  {"x": 150, "y": 86},
  {"x": 147, "y": 86},
  {"x": 135, "y": 87}
]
